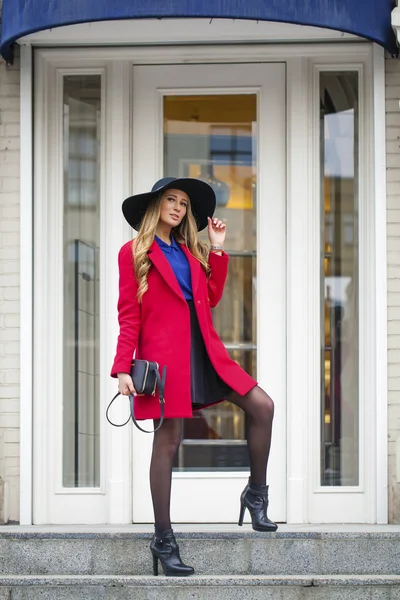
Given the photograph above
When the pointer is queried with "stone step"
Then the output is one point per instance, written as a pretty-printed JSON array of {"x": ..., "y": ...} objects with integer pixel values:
[
  {"x": 356, "y": 587},
  {"x": 243, "y": 553}
]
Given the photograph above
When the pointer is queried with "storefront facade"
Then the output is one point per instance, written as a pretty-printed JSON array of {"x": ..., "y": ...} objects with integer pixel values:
[{"x": 287, "y": 122}]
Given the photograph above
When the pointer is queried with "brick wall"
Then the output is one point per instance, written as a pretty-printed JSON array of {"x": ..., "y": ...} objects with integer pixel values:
[{"x": 9, "y": 290}]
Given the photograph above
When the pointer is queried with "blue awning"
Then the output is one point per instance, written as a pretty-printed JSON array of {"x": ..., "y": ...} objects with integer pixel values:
[{"x": 370, "y": 19}]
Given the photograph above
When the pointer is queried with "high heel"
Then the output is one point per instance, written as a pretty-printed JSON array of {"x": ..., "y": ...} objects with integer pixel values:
[
  {"x": 155, "y": 565},
  {"x": 255, "y": 499},
  {"x": 241, "y": 514},
  {"x": 166, "y": 550}
]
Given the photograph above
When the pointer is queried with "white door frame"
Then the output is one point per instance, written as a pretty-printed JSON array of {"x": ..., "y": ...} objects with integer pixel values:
[
  {"x": 370, "y": 59},
  {"x": 268, "y": 82}
]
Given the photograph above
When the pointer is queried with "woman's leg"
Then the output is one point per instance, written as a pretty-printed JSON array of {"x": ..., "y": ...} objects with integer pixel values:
[
  {"x": 259, "y": 408},
  {"x": 163, "y": 545},
  {"x": 165, "y": 445}
]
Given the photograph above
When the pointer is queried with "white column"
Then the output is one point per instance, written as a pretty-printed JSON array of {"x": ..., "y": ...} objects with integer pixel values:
[
  {"x": 26, "y": 283},
  {"x": 381, "y": 286},
  {"x": 114, "y": 232},
  {"x": 301, "y": 273}
]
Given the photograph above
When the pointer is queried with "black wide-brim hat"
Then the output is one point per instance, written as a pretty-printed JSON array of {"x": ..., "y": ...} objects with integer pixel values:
[{"x": 201, "y": 195}]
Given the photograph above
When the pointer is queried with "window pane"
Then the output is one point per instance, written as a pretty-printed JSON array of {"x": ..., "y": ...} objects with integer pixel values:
[
  {"x": 339, "y": 279},
  {"x": 213, "y": 137},
  {"x": 81, "y": 439}
]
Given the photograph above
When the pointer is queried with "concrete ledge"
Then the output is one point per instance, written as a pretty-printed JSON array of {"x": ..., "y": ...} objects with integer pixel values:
[
  {"x": 197, "y": 532},
  {"x": 217, "y": 581},
  {"x": 200, "y": 588},
  {"x": 219, "y": 554}
]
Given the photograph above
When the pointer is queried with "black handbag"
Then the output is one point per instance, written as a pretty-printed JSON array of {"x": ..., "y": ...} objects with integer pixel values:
[{"x": 146, "y": 379}]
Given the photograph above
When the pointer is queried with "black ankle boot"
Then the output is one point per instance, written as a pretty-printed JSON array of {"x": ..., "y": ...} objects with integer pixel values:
[
  {"x": 255, "y": 499},
  {"x": 165, "y": 549}
]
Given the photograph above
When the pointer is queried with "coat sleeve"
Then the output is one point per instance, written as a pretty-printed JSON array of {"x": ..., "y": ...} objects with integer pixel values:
[
  {"x": 129, "y": 313},
  {"x": 216, "y": 281}
]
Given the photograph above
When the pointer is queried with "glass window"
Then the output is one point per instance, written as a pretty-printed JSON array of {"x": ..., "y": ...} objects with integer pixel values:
[
  {"x": 214, "y": 137},
  {"x": 81, "y": 419},
  {"x": 339, "y": 279}
]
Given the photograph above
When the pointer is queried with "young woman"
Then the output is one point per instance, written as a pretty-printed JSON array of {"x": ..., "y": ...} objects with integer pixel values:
[{"x": 169, "y": 281}]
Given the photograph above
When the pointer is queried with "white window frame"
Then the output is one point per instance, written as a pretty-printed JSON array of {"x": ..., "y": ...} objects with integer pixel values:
[
  {"x": 324, "y": 498},
  {"x": 301, "y": 61}
]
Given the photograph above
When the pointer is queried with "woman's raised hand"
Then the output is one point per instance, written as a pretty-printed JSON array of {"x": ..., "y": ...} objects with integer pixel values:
[
  {"x": 125, "y": 384},
  {"x": 216, "y": 231}
]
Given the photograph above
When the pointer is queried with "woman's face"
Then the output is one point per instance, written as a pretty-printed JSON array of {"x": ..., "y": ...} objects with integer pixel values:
[{"x": 174, "y": 205}]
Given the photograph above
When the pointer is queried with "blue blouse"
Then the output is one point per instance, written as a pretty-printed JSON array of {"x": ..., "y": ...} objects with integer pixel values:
[{"x": 180, "y": 265}]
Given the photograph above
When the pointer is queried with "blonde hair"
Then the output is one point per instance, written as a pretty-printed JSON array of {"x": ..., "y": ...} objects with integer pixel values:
[{"x": 185, "y": 233}]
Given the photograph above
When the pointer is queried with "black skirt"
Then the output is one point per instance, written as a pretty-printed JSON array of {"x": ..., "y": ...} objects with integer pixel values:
[{"x": 206, "y": 386}]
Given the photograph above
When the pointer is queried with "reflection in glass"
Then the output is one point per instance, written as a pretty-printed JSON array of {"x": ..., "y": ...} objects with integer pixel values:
[
  {"x": 213, "y": 137},
  {"x": 81, "y": 439},
  {"x": 339, "y": 279}
]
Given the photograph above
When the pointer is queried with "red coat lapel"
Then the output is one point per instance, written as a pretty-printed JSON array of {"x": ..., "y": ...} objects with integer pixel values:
[
  {"x": 164, "y": 268},
  {"x": 195, "y": 267}
]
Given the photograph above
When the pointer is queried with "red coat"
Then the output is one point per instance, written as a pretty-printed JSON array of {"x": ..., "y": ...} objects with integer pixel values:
[{"x": 158, "y": 329}]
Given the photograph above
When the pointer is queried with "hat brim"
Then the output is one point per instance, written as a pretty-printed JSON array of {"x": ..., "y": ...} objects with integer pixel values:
[{"x": 201, "y": 195}]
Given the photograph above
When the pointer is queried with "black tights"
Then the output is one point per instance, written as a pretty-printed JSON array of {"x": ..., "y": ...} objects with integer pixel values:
[
  {"x": 165, "y": 445},
  {"x": 259, "y": 408}
]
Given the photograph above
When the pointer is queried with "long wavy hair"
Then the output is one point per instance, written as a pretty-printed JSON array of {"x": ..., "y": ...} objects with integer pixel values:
[{"x": 185, "y": 233}]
